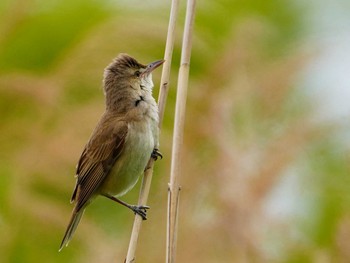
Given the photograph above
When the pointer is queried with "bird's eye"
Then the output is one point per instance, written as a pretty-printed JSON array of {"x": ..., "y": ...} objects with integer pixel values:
[{"x": 137, "y": 73}]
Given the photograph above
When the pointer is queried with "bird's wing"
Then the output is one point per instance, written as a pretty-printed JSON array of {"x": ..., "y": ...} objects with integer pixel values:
[{"x": 98, "y": 157}]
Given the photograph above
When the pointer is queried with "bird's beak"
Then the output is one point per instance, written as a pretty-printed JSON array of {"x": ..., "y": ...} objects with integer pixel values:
[{"x": 152, "y": 66}]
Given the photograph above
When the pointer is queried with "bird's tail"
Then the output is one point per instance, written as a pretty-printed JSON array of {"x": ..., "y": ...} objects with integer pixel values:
[{"x": 72, "y": 226}]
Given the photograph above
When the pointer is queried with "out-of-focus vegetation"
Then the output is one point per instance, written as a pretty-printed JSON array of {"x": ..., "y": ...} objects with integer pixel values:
[{"x": 251, "y": 142}]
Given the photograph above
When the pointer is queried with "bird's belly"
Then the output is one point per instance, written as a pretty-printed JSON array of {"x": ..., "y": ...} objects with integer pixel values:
[{"x": 132, "y": 162}]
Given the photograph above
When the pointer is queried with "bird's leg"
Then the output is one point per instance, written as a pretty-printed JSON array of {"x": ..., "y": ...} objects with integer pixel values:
[
  {"x": 156, "y": 153},
  {"x": 140, "y": 210}
]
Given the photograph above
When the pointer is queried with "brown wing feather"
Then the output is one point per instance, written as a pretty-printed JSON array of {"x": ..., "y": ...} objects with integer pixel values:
[{"x": 98, "y": 157}]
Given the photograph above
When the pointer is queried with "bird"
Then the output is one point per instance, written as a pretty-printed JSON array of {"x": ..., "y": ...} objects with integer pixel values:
[{"x": 123, "y": 141}]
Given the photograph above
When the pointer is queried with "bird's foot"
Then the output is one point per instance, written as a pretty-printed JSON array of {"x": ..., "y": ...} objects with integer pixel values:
[
  {"x": 155, "y": 154},
  {"x": 140, "y": 210}
]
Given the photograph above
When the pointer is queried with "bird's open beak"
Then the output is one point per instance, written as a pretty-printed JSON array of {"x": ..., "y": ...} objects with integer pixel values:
[{"x": 152, "y": 66}]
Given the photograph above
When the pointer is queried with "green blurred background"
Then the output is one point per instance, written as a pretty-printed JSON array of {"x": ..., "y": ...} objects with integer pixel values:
[{"x": 266, "y": 149}]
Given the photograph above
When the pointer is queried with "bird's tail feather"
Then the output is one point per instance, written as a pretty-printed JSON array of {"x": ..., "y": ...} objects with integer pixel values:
[{"x": 72, "y": 226}]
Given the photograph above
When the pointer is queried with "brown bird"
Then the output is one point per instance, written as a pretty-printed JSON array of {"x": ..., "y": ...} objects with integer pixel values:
[{"x": 123, "y": 141}]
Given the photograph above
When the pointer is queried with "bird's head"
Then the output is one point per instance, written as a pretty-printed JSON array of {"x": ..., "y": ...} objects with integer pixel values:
[{"x": 125, "y": 70}]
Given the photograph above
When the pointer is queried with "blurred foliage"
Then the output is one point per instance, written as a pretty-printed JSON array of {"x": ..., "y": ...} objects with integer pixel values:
[{"x": 247, "y": 126}]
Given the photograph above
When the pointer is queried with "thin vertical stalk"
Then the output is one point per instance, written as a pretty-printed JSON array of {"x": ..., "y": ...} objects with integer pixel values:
[
  {"x": 169, "y": 47},
  {"x": 164, "y": 86},
  {"x": 180, "y": 112}
]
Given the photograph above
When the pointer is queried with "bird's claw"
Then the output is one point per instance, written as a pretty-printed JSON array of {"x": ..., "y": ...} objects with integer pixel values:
[
  {"x": 155, "y": 154},
  {"x": 140, "y": 210}
]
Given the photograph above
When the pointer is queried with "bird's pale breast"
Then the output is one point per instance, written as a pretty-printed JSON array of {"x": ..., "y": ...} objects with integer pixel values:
[{"x": 141, "y": 139}]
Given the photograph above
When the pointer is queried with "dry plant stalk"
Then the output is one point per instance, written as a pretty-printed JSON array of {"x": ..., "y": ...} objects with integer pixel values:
[
  {"x": 180, "y": 111},
  {"x": 164, "y": 86}
]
